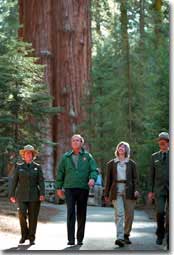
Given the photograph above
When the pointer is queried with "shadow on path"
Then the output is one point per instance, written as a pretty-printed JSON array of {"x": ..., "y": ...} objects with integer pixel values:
[
  {"x": 18, "y": 248},
  {"x": 72, "y": 248}
]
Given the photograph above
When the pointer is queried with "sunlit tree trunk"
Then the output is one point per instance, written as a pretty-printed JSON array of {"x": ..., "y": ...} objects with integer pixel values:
[{"x": 59, "y": 30}]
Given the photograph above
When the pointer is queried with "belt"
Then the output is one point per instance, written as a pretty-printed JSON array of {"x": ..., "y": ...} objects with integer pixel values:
[{"x": 121, "y": 181}]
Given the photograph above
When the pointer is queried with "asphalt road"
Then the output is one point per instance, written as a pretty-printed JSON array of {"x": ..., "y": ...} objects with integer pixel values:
[{"x": 100, "y": 233}]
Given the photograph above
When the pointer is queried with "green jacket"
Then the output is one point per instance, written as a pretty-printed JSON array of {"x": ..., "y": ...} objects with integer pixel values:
[
  {"x": 159, "y": 174},
  {"x": 68, "y": 176},
  {"x": 28, "y": 182}
]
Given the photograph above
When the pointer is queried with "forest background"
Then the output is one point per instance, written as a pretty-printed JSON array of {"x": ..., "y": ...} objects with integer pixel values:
[{"x": 127, "y": 95}]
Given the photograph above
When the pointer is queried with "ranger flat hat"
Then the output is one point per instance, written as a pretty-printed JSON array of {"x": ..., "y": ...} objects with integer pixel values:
[
  {"x": 163, "y": 136},
  {"x": 28, "y": 147}
]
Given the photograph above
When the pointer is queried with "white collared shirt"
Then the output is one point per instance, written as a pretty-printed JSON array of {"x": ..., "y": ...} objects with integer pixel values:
[{"x": 121, "y": 174}]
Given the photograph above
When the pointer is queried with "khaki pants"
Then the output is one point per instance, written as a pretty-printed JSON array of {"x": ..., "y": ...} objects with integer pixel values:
[
  {"x": 98, "y": 191},
  {"x": 124, "y": 215}
]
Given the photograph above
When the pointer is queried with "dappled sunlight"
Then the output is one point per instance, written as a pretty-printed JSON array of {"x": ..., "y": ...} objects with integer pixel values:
[{"x": 143, "y": 224}]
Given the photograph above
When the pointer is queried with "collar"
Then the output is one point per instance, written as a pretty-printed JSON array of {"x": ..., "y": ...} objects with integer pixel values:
[
  {"x": 126, "y": 160},
  {"x": 69, "y": 153},
  {"x": 28, "y": 163},
  {"x": 161, "y": 152}
]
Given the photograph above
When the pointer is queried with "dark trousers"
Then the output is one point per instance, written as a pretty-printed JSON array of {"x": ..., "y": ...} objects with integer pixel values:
[
  {"x": 28, "y": 210},
  {"x": 162, "y": 216},
  {"x": 76, "y": 197}
]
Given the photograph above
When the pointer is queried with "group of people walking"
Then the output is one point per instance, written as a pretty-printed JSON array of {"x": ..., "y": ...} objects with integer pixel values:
[{"x": 77, "y": 172}]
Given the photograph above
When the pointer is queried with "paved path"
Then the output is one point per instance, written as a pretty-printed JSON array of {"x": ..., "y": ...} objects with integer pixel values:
[{"x": 99, "y": 235}]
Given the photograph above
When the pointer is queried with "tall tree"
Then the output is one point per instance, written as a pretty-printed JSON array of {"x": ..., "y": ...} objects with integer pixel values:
[
  {"x": 128, "y": 99},
  {"x": 60, "y": 33},
  {"x": 126, "y": 59}
]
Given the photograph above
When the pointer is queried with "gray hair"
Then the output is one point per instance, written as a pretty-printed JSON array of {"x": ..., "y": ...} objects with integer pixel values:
[
  {"x": 80, "y": 137},
  {"x": 127, "y": 149}
]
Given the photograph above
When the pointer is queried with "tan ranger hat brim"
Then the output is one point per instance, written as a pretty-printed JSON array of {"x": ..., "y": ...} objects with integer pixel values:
[{"x": 28, "y": 148}]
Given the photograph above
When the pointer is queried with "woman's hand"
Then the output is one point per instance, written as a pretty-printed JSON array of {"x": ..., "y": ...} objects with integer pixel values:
[
  {"x": 107, "y": 200},
  {"x": 13, "y": 200},
  {"x": 42, "y": 198}
]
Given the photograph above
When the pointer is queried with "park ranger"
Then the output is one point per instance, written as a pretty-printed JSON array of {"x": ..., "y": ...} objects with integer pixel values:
[
  {"x": 28, "y": 181},
  {"x": 159, "y": 187}
]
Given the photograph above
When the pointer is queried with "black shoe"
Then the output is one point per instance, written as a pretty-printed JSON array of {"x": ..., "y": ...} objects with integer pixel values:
[
  {"x": 127, "y": 240},
  {"x": 32, "y": 242},
  {"x": 159, "y": 241},
  {"x": 22, "y": 240},
  {"x": 27, "y": 237},
  {"x": 119, "y": 242},
  {"x": 71, "y": 243},
  {"x": 79, "y": 243}
]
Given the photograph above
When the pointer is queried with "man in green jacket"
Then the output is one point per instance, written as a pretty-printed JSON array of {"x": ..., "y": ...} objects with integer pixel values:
[
  {"x": 28, "y": 189},
  {"x": 77, "y": 171},
  {"x": 159, "y": 187}
]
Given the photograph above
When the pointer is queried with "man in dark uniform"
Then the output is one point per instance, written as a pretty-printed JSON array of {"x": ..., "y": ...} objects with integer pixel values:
[
  {"x": 29, "y": 182},
  {"x": 159, "y": 187}
]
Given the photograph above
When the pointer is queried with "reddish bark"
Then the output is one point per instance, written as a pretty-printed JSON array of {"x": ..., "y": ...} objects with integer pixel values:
[{"x": 59, "y": 30}]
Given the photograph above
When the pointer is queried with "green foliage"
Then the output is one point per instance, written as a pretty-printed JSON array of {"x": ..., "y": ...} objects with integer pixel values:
[
  {"x": 25, "y": 103},
  {"x": 147, "y": 57}
]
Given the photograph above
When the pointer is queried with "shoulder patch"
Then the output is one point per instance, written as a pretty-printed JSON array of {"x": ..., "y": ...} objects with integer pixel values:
[
  {"x": 19, "y": 163},
  {"x": 156, "y": 153},
  {"x": 37, "y": 164}
]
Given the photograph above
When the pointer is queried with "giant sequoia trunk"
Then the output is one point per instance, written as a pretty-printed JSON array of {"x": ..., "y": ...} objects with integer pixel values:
[{"x": 59, "y": 30}]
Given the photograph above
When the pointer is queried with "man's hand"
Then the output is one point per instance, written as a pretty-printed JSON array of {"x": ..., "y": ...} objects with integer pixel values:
[
  {"x": 91, "y": 183},
  {"x": 42, "y": 198},
  {"x": 13, "y": 200},
  {"x": 60, "y": 193},
  {"x": 151, "y": 196},
  {"x": 137, "y": 194}
]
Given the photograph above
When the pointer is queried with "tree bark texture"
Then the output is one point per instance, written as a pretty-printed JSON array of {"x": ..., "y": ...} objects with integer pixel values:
[{"x": 59, "y": 31}]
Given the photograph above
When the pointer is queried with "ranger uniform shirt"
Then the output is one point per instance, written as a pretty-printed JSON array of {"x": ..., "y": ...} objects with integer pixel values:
[
  {"x": 27, "y": 182},
  {"x": 159, "y": 173}
]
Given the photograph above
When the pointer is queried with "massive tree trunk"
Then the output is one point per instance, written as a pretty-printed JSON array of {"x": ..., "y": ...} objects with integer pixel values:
[
  {"x": 35, "y": 18},
  {"x": 59, "y": 30}
]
